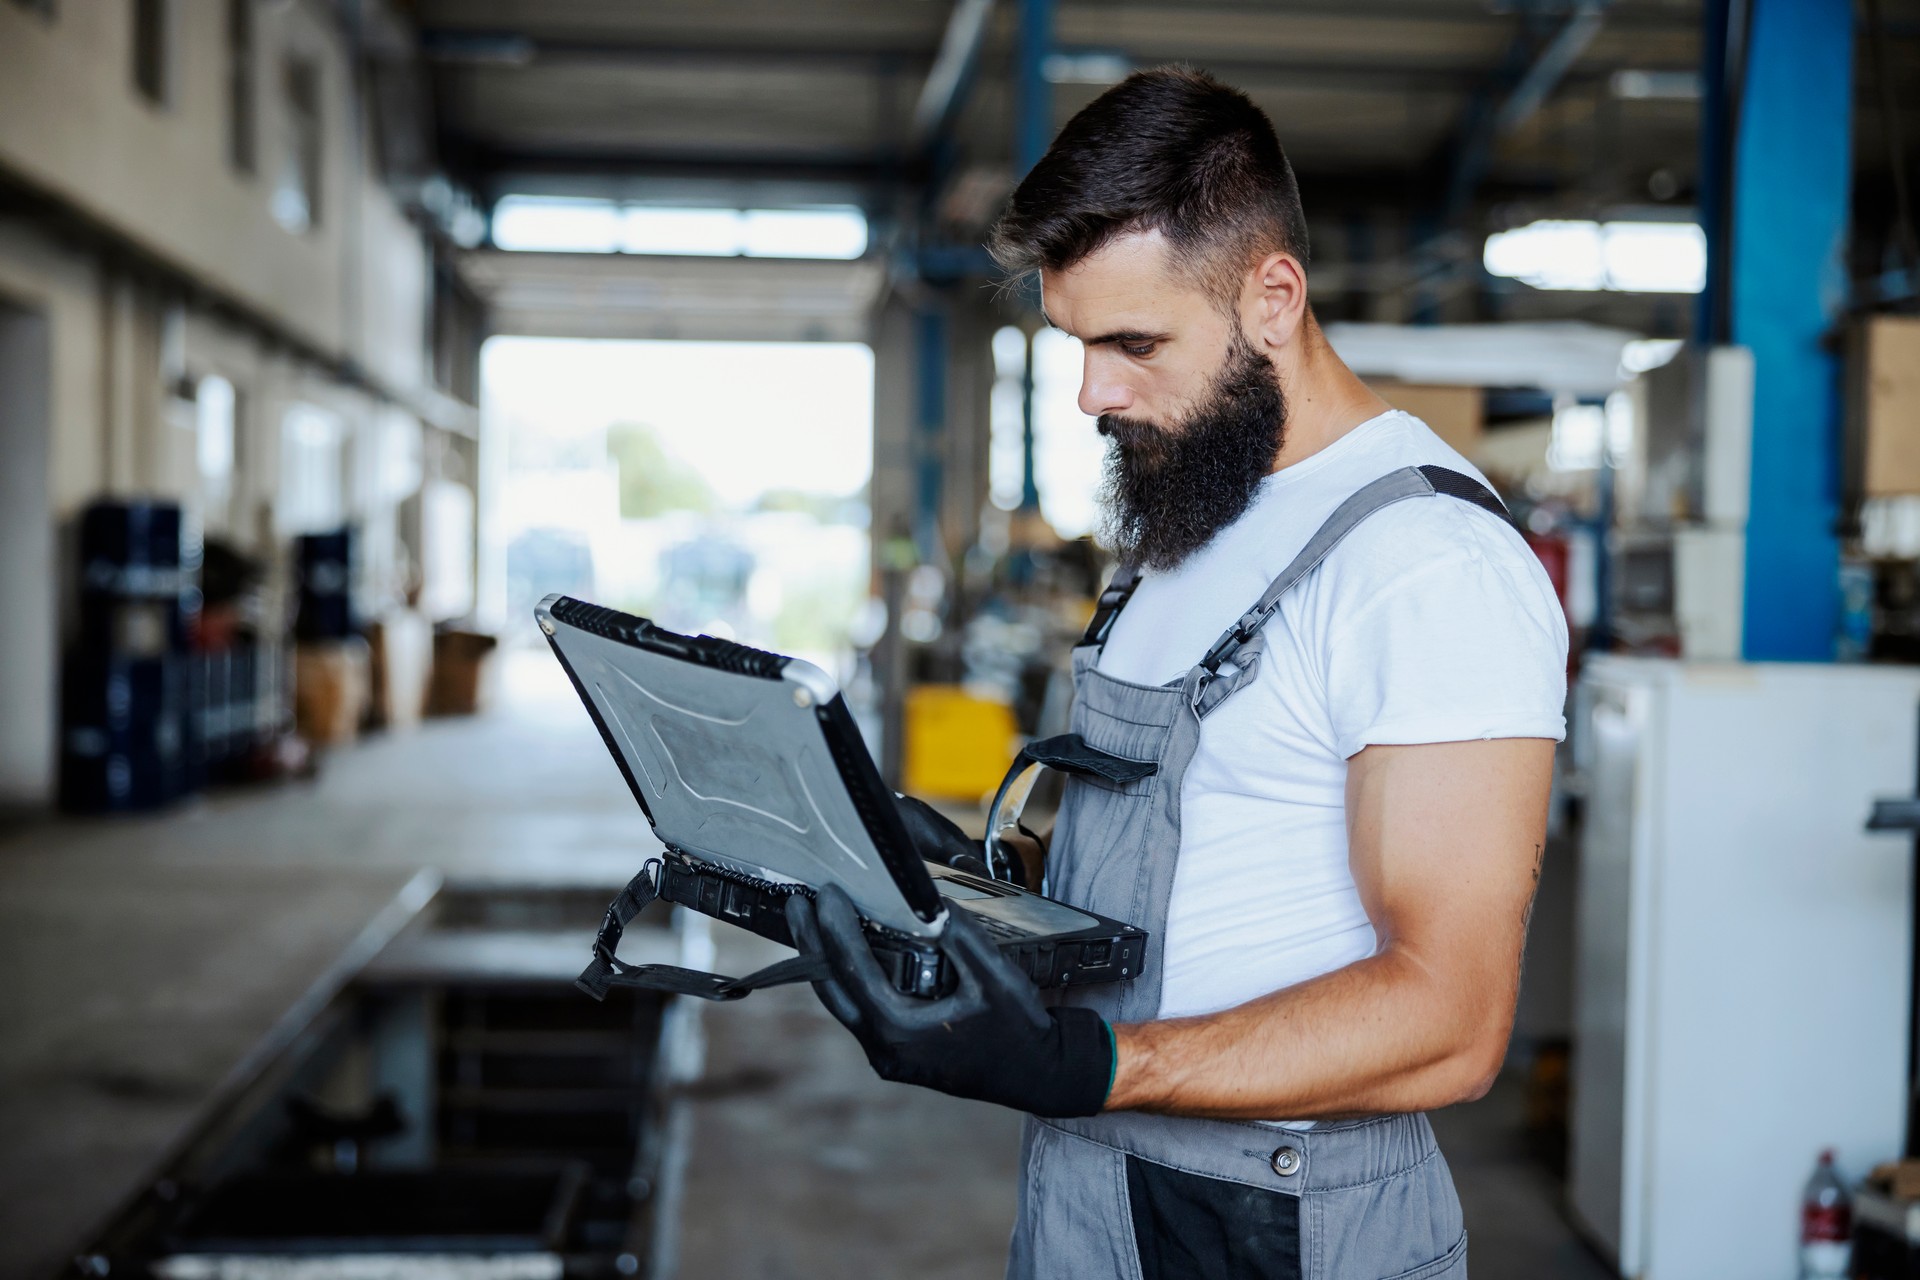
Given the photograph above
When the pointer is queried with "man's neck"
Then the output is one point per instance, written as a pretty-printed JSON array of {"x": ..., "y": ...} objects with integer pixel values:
[{"x": 1325, "y": 400}]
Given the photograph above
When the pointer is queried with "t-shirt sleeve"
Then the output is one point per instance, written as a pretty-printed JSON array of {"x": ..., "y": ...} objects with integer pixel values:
[{"x": 1442, "y": 628}]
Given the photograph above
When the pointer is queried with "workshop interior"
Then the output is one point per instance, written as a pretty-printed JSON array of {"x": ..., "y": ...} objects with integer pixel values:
[{"x": 358, "y": 357}]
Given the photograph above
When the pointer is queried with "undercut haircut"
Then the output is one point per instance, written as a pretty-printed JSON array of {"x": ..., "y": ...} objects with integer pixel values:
[{"x": 1170, "y": 150}]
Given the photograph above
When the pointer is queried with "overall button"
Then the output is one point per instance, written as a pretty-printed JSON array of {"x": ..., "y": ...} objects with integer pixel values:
[{"x": 1286, "y": 1161}]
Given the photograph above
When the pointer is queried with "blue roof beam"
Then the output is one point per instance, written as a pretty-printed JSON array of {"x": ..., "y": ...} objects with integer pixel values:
[
  {"x": 1533, "y": 74},
  {"x": 1550, "y": 67},
  {"x": 951, "y": 78}
]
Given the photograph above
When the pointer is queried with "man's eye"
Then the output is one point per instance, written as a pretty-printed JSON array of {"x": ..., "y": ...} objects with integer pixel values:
[{"x": 1139, "y": 352}]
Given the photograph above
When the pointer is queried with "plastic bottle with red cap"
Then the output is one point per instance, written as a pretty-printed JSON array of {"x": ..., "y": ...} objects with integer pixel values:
[{"x": 1826, "y": 1224}]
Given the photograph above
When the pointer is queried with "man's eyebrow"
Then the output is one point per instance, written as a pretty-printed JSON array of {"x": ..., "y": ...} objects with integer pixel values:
[{"x": 1132, "y": 337}]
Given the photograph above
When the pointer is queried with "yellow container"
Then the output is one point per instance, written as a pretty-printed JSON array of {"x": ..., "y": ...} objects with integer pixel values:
[{"x": 957, "y": 744}]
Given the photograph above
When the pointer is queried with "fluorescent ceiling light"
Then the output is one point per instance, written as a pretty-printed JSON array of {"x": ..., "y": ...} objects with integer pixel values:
[
  {"x": 1656, "y": 257},
  {"x": 1086, "y": 67},
  {"x": 804, "y": 233},
  {"x": 710, "y": 232},
  {"x": 1549, "y": 255},
  {"x": 1630, "y": 257},
  {"x": 555, "y": 225},
  {"x": 1662, "y": 86}
]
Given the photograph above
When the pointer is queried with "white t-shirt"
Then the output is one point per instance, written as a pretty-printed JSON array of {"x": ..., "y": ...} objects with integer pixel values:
[{"x": 1431, "y": 622}]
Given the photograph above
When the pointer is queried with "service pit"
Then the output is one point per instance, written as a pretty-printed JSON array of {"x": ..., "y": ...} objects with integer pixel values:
[{"x": 444, "y": 1103}]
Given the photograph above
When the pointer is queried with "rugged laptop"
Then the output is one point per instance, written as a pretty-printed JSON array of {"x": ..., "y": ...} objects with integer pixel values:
[{"x": 758, "y": 783}]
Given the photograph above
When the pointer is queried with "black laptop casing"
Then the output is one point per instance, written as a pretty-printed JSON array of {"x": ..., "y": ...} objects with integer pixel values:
[{"x": 1101, "y": 950}]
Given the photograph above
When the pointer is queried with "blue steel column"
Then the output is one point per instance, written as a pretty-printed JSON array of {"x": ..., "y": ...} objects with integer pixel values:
[
  {"x": 1029, "y": 486},
  {"x": 930, "y": 362},
  {"x": 1791, "y": 181},
  {"x": 1033, "y": 120},
  {"x": 1722, "y": 61},
  {"x": 1032, "y": 131}
]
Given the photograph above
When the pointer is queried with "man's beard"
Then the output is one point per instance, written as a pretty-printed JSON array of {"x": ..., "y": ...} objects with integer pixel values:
[{"x": 1167, "y": 491}]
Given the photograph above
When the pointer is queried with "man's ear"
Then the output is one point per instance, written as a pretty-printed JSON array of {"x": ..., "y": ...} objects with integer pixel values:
[{"x": 1273, "y": 301}]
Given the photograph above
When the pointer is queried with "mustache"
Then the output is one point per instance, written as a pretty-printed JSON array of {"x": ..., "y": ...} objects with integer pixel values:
[{"x": 1129, "y": 433}]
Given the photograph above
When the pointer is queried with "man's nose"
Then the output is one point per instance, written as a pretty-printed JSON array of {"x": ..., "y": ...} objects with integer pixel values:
[{"x": 1101, "y": 389}]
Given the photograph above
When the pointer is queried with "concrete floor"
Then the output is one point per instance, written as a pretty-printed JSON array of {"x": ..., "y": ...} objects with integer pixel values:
[
  {"x": 805, "y": 1164},
  {"x": 145, "y": 956}
]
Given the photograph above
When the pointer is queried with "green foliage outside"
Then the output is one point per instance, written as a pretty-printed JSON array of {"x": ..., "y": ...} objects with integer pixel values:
[
  {"x": 825, "y": 508},
  {"x": 814, "y": 615},
  {"x": 652, "y": 481},
  {"x": 815, "y": 608}
]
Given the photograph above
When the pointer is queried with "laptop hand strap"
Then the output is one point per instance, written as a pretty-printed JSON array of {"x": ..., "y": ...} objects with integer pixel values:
[{"x": 608, "y": 970}]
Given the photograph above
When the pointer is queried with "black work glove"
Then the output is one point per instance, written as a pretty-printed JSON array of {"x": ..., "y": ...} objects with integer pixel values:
[
  {"x": 938, "y": 838},
  {"x": 990, "y": 1040}
]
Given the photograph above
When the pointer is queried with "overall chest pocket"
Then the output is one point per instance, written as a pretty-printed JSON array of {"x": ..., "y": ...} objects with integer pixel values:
[{"x": 1114, "y": 792}]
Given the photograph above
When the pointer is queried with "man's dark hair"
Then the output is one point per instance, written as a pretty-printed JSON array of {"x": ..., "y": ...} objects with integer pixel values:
[{"x": 1170, "y": 150}]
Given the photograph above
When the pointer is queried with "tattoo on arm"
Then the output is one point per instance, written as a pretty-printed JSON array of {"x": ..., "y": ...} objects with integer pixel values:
[{"x": 1526, "y": 913}]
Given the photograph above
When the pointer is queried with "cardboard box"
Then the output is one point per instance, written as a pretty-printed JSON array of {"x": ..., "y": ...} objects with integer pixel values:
[
  {"x": 459, "y": 658},
  {"x": 1457, "y": 415},
  {"x": 330, "y": 690},
  {"x": 1884, "y": 403}
]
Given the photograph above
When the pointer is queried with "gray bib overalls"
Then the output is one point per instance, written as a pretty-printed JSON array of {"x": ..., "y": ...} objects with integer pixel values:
[{"x": 1149, "y": 1197}]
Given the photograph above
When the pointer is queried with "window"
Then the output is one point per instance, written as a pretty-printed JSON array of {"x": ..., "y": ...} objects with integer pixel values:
[
  {"x": 1068, "y": 453},
  {"x": 296, "y": 193},
  {"x": 152, "y": 40},
  {"x": 240, "y": 79},
  {"x": 554, "y": 224},
  {"x": 1007, "y": 420},
  {"x": 447, "y": 516},
  {"x": 312, "y": 493},
  {"x": 216, "y": 412}
]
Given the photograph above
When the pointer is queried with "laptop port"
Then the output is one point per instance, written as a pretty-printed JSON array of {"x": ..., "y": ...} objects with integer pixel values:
[{"x": 1096, "y": 953}]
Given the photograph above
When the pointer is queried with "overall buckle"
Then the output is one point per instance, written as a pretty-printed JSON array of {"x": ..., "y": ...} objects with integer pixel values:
[{"x": 1238, "y": 634}]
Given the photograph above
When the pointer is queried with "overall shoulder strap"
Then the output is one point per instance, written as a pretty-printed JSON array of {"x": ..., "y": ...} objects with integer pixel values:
[
  {"x": 1112, "y": 601},
  {"x": 1395, "y": 486}
]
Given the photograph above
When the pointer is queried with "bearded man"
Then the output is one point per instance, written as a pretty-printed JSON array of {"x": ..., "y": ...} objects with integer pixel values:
[{"x": 1348, "y": 674}]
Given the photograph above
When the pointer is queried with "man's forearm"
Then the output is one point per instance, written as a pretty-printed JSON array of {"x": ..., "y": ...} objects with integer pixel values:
[{"x": 1379, "y": 1035}]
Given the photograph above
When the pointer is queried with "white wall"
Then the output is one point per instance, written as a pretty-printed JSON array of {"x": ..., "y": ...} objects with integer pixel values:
[
  {"x": 27, "y": 620},
  {"x": 73, "y": 124},
  {"x": 121, "y": 337},
  {"x": 66, "y": 289}
]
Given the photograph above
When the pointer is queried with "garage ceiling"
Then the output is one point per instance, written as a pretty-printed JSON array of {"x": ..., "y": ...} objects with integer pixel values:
[
  {"x": 1372, "y": 98},
  {"x": 1416, "y": 126}
]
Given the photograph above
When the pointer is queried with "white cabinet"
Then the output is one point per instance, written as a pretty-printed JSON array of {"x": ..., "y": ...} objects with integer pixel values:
[{"x": 1741, "y": 988}]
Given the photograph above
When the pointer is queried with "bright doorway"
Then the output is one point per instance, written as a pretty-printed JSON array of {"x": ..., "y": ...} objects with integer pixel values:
[{"x": 714, "y": 487}]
